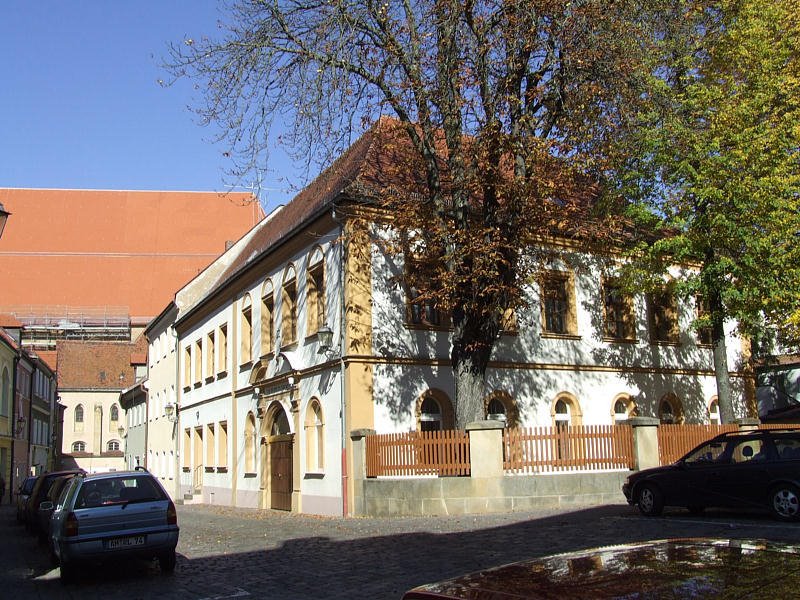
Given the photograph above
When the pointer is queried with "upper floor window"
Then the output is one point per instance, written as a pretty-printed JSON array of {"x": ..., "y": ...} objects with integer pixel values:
[
  {"x": 315, "y": 292},
  {"x": 223, "y": 348},
  {"x": 113, "y": 413},
  {"x": 267, "y": 318},
  {"x": 79, "y": 413},
  {"x": 187, "y": 366},
  {"x": 558, "y": 304},
  {"x": 422, "y": 307},
  {"x": 198, "y": 362},
  {"x": 663, "y": 317},
  {"x": 618, "y": 312},
  {"x": 246, "y": 331},
  {"x": 704, "y": 335},
  {"x": 289, "y": 307},
  {"x": 210, "y": 353}
]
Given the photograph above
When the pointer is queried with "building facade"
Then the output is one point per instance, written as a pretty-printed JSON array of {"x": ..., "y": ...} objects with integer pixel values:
[{"x": 268, "y": 396}]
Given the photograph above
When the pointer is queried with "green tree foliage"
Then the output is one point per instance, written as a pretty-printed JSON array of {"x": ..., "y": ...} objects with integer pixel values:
[{"x": 721, "y": 159}]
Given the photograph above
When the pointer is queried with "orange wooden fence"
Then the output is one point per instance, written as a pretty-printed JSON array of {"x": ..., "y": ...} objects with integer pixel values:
[
  {"x": 418, "y": 453},
  {"x": 573, "y": 448},
  {"x": 676, "y": 440}
]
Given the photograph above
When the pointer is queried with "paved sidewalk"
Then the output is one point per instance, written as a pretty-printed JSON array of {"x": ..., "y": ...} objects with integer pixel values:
[{"x": 241, "y": 553}]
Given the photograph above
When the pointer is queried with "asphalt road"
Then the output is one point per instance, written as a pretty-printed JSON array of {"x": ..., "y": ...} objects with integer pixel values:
[{"x": 241, "y": 553}]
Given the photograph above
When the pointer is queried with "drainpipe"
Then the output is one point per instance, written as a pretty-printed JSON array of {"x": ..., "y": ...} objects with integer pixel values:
[
  {"x": 176, "y": 430},
  {"x": 30, "y": 413},
  {"x": 342, "y": 406}
]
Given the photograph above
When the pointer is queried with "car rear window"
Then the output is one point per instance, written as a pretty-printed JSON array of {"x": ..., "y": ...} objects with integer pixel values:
[
  {"x": 118, "y": 490},
  {"x": 27, "y": 485},
  {"x": 788, "y": 448}
]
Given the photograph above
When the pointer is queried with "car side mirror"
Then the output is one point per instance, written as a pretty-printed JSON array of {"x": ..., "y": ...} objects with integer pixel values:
[{"x": 46, "y": 505}]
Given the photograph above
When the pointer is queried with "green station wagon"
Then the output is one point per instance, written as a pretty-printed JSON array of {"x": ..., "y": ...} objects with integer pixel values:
[{"x": 105, "y": 517}]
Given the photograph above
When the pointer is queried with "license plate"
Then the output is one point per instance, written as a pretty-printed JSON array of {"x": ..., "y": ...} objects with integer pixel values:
[{"x": 126, "y": 542}]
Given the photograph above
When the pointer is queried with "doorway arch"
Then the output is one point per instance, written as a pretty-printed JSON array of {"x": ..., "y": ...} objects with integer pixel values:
[{"x": 277, "y": 453}]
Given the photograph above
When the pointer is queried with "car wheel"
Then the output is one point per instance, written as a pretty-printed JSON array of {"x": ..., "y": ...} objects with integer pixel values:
[
  {"x": 651, "y": 501},
  {"x": 696, "y": 510},
  {"x": 167, "y": 562},
  {"x": 784, "y": 501}
]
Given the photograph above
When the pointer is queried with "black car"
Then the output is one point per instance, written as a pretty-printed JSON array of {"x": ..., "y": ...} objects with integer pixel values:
[
  {"x": 39, "y": 495},
  {"x": 756, "y": 469},
  {"x": 46, "y": 506}
]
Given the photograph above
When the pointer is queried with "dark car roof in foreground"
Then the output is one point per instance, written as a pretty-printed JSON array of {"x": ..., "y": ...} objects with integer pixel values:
[{"x": 696, "y": 568}]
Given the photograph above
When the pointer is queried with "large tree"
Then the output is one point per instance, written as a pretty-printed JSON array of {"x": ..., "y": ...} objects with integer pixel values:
[
  {"x": 722, "y": 161},
  {"x": 513, "y": 110}
]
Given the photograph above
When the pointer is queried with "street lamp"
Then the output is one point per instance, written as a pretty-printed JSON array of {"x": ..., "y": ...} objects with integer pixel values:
[
  {"x": 3, "y": 218},
  {"x": 171, "y": 410},
  {"x": 121, "y": 431},
  {"x": 325, "y": 339}
]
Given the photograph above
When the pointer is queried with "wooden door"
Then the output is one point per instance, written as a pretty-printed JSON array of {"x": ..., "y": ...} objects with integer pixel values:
[{"x": 280, "y": 457}]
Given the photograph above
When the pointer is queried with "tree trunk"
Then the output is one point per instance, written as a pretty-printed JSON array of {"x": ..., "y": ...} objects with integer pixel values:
[
  {"x": 473, "y": 340},
  {"x": 720, "y": 349}
]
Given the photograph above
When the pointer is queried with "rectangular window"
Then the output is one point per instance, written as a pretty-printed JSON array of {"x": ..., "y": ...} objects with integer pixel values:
[
  {"x": 210, "y": 371},
  {"x": 316, "y": 297},
  {"x": 663, "y": 317},
  {"x": 222, "y": 365},
  {"x": 210, "y": 446},
  {"x": 187, "y": 366},
  {"x": 187, "y": 449},
  {"x": 198, "y": 362},
  {"x": 618, "y": 312},
  {"x": 246, "y": 334},
  {"x": 267, "y": 316},
  {"x": 289, "y": 312},
  {"x": 558, "y": 304},
  {"x": 222, "y": 462},
  {"x": 421, "y": 308},
  {"x": 704, "y": 334}
]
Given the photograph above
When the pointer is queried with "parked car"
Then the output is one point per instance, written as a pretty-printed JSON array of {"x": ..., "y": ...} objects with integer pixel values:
[
  {"x": 106, "y": 517},
  {"x": 39, "y": 494},
  {"x": 23, "y": 493},
  {"x": 690, "y": 568},
  {"x": 759, "y": 469},
  {"x": 45, "y": 509}
]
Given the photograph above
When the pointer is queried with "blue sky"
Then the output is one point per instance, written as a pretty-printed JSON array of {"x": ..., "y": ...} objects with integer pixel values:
[{"x": 80, "y": 104}]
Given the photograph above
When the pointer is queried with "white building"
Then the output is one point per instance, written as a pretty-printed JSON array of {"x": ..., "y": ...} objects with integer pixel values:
[{"x": 267, "y": 404}]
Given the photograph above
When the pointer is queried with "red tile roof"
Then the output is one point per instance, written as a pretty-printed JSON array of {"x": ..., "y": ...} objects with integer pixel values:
[
  {"x": 97, "y": 365},
  {"x": 134, "y": 249}
]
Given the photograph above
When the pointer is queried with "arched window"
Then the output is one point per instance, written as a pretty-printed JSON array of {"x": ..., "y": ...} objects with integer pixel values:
[
  {"x": 430, "y": 418},
  {"x": 670, "y": 410},
  {"x": 79, "y": 446},
  {"x": 250, "y": 443},
  {"x": 267, "y": 318},
  {"x": 5, "y": 393},
  {"x": 623, "y": 409},
  {"x": 315, "y": 292},
  {"x": 113, "y": 446},
  {"x": 713, "y": 413},
  {"x": 500, "y": 406},
  {"x": 315, "y": 437},
  {"x": 289, "y": 307},
  {"x": 114, "y": 413},
  {"x": 246, "y": 331},
  {"x": 79, "y": 413},
  {"x": 562, "y": 415},
  {"x": 434, "y": 411}
]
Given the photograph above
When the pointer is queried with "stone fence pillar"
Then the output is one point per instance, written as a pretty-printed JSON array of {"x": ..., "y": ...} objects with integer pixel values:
[
  {"x": 359, "y": 474},
  {"x": 645, "y": 442},
  {"x": 747, "y": 424},
  {"x": 486, "y": 448}
]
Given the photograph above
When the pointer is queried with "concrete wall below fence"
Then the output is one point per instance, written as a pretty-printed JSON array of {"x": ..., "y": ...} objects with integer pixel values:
[{"x": 466, "y": 495}]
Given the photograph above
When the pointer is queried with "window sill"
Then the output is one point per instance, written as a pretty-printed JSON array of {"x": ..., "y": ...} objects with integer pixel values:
[
  {"x": 245, "y": 365},
  {"x": 222, "y": 469},
  {"x": 222, "y": 374},
  {"x": 250, "y": 475},
  {"x": 615, "y": 340},
  {"x": 314, "y": 475},
  {"x": 210, "y": 379},
  {"x": 560, "y": 336},
  {"x": 197, "y": 384},
  {"x": 665, "y": 343},
  {"x": 186, "y": 469},
  {"x": 427, "y": 327},
  {"x": 209, "y": 469},
  {"x": 289, "y": 346},
  {"x": 187, "y": 388}
]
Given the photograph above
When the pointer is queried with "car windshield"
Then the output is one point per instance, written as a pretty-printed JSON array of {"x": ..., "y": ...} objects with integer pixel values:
[
  {"x": 27, "y": 485},
  {"x": 118, "y": 490}
]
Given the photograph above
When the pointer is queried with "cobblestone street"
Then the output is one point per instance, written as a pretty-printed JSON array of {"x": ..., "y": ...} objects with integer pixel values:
[{"x": 241, "y": 553}]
